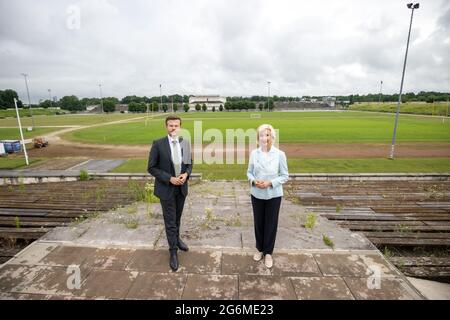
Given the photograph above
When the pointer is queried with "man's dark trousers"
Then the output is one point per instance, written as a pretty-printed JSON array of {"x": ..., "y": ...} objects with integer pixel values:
[{"x": 172, "y": 210}]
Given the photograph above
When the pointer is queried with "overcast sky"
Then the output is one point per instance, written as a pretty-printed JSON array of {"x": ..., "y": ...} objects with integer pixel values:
[{"x": 221, "y": 47}]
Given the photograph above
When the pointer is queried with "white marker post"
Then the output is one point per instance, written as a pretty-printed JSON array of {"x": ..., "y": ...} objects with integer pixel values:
[{"x": 21, "y": 133}]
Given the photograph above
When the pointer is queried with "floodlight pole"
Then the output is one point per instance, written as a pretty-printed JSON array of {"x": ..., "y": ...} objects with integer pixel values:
[
  {"x": 101, "y": 96},
  {"x": 160, "y": 96},
  {"x": 29, "y": 100},
  {"x": 412, "y": 7},
  {"x": 50, "y": 97},
  {"x": 381, "y": 90}
]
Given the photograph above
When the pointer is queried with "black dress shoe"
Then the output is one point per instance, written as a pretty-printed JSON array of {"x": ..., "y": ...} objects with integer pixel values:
[
  {"x": 173, "y": 260},
  {"x": 182, "y": 246}
]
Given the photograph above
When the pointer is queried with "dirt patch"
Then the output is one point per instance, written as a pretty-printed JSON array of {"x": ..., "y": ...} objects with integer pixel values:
[{"x": 90, "y": 151}]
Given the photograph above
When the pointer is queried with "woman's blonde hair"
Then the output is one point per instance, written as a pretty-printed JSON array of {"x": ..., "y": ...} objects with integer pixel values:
[{"x": 265, "y": 127}]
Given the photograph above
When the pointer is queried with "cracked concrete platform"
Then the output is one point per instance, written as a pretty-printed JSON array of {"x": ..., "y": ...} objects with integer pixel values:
[
  {"x": 122, "y": 254},
  {"x": 47, "y": 270}
]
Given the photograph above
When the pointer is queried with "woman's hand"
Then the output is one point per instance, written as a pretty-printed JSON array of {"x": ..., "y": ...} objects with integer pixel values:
[{"x": 262, "y": 184}]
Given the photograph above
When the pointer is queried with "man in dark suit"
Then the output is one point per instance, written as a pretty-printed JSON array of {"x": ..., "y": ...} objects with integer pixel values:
[{"x": 170, "y": 163}]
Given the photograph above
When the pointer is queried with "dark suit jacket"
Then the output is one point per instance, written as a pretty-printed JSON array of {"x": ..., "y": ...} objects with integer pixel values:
[{"x": 160, "y": 165}]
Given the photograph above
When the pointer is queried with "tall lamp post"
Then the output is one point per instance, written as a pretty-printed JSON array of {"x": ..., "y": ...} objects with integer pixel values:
[
  {"x": 411, "y": 6},
  {"x": 268, "y": 94},
  {"x": 29, "y": 100},
  {"x": 381, "y": 90},
  {"x": 101, "y": 97},
  {"x": 50, "y": 97},
  {"x": 160, "y": 96}
]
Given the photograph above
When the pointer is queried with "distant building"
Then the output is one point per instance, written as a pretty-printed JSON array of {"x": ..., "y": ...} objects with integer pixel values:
[
  {"x": 209, "y": 100},
  {"x": 122, "y": 108},
  {"x": 97, "y": 108},
  {"x": 331, "y": 101},
  {"x": 94, "y": 108},
  {"x": 302, "y": 105}
]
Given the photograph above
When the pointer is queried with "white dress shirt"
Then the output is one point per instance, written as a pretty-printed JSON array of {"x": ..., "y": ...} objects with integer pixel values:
[{"x": 171, "y": 149}]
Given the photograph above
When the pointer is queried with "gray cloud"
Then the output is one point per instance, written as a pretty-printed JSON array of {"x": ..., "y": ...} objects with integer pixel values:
[{"x": 225, "y": 47}]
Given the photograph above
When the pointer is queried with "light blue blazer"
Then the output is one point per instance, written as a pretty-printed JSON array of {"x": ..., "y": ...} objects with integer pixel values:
[{"x": 268, "y": 166}]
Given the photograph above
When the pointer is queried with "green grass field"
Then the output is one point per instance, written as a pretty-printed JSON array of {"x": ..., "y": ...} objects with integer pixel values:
[
  {"x": 300, "y": 127},
  {"x": 26, "y": 112},
  {"x": 16, "y": 162},
  {"x": 14, "y": 133},
  {"x": 57, "y": 121},
  {"x": 69, "y": 119},
  {"x": 436, "y": 109},
  {"x": 372, "y": 165},
  {"x": 315, "y": 127}
]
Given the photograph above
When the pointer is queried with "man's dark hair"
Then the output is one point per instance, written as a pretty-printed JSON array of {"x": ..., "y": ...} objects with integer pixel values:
[{"x": 173, "y": 118}]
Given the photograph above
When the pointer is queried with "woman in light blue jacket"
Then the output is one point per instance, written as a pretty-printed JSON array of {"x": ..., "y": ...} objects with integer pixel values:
[{"x": 267, "y": 171}]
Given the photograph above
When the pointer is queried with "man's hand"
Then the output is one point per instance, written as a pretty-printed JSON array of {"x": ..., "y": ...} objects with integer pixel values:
[
  {"x": 262, "y": 184},
  {"x": 183, "y": 177},
  {"x": 176, "y": 181}
]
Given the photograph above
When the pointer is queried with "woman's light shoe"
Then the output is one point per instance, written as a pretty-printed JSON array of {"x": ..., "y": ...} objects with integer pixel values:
[
  {"x": 258, "y": 256},
  {"x": 268, "y": 261}
]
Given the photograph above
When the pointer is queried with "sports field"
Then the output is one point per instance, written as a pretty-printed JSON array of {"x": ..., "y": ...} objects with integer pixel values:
[
  {"x": 341, "y": 142},
  {"x": 294, "y": 127}
]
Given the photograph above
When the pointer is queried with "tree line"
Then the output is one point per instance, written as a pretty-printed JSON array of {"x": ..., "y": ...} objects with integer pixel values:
[
  {"x": 422, "y": 96},
  {"x": 180, "y": 102}
]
